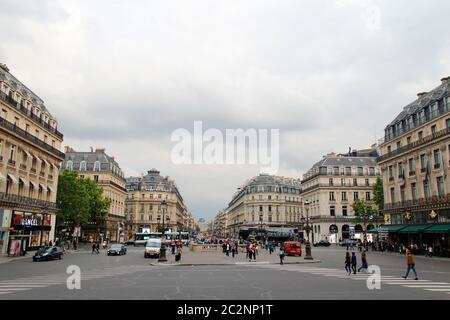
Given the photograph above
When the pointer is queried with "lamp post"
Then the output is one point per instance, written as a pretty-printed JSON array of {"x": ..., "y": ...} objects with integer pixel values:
[
  {"x": 260, "y": 226},
  {"x": 162, "y": 254},
  {"x": 308, "y": 228}
]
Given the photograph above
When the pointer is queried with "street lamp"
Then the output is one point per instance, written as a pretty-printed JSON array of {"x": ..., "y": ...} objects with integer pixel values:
[
  {"x": 260, "y": 226},
  {"x": 162, "y": 254},
  {"x": 308, "y": 228}
]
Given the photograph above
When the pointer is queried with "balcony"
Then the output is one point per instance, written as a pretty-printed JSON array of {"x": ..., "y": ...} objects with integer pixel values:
[
  {"x": 423, "y": 170},
  {"x": 42, "y": 174},
  {"x": 437, "y": 165},
  {"x": 435, "y": 200},
  {"x": 11, "y": 162},
  {"x": 50, "y": 177},
  {"x": 412, "y": 173},
  {"x": 30, "y": 138},
  {"x": 33, "y": 170},
  {"x": 29, "y": 114},
  {"x": 401, "y": 176},
  {"x": 416, "y": 144},
  {"x": 22, "y": 167},
  {"x": 21, "y": 200}
]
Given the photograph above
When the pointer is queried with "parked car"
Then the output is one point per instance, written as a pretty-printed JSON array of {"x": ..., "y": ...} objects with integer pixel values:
[
  {"x": 293, "y": 248},
  {"x": 349, "y": 242},
  {"x": 152, "y": 248},
  {"x": 322, "y": 243},
  {"x": 117, "y": 249},
  {"x": 48, "y": 253}
]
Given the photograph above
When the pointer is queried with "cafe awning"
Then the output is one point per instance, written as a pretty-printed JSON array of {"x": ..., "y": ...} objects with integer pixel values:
[
  {"x": 392, "y": 228},
  {"x": 438, "y": 228},
  {"x": 415, "y": 228},
  {"x": 373, "y": 231}
]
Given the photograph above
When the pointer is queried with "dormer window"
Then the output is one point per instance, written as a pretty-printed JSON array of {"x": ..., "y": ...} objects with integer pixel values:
[
  {"x": 83, "y": 166},
  {"x": 69, "y": 165},
  {"x": 97, "y": 166}
]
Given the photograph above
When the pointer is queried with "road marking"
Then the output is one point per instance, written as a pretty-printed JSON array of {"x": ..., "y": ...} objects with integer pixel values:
[
  {"x": 439, "y": 290},
  {"x": 429, "y": 286}
]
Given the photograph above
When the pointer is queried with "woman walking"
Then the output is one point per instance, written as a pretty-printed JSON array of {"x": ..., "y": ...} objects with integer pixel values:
[
  {"x": 411, "y": 265},
  {"x": 354, "y": 263},
  {"x": 347, "y": 262},
  {"x": 364, "y": 264}
]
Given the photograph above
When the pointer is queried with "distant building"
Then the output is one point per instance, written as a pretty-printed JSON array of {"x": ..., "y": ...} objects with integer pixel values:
[
  {"x": 331, "y": 186},
  {"x": 106, "y": 172},
  {"x": 144, "y": 205}
]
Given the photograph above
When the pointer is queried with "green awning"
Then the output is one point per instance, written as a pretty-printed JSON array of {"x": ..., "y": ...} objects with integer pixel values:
[
  {"x": 394, "y": 228},
  {"x": 373, "y": 231},
  {"x": 415, "y": 228},
  {"x": 438, "y": 228}
]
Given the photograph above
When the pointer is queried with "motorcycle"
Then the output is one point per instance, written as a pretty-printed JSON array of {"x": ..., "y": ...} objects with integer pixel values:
[{"x": 104, "y": 245}]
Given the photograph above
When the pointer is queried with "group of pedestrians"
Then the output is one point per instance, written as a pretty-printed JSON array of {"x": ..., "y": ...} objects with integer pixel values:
[
  {"x": 351, "y": 263},
  {"x": 95, "y": 248},
  {"x": 230, "y": 247},
  {"x": 177, "y": 249}
]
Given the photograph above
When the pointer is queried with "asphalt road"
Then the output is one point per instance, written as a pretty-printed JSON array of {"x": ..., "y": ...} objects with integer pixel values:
[{"x": 215, "y": 276}]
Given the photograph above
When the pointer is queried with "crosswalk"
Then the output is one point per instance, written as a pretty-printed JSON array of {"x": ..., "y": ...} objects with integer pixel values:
[
  {"x": 427, "y": 285},
  {"x": 44, "y": 281}
]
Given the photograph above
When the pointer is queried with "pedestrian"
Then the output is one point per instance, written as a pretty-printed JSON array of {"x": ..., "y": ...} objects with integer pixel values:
[
  {"x": 354, "y": 263},
  {"x": 233, "y": 251},
  {"x": 347, "y": 262},
  {"x": 172, "y": 245},
  {"x": 97, "y": 247},
  {"x": 411, "y": 265},
  {"x": 251, "y": 251},
  {"x": 430, "y": 251},
  {"x": 281, "y": 255},
  {"x": 363, "y": 262},
  {"x": 94, "y": 248},
  {"x": 236, "y": 247},
  {"x": 228, "y": 249},
  {"x": 178, "y": 255},
  {"x": 50, "y": 243},
  {"x": 74, "y": 244}
]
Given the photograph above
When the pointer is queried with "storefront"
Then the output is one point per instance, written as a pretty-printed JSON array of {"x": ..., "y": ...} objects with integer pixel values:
[
  {"x": 32, "y": 230},
  {"x": 5, "y": 217}
]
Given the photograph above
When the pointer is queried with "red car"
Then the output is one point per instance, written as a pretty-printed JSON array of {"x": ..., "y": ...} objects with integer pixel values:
[{"x": 293, "y": 248}]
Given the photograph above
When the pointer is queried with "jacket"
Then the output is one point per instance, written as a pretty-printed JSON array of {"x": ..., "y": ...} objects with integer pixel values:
[{"x": 410, "y": 259}]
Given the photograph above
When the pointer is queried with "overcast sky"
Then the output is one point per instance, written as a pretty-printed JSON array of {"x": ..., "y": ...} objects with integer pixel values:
[{"x": 124, "y": 75}]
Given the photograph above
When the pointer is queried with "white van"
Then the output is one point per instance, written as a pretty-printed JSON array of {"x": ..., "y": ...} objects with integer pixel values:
[{"x": 152, "y": 248}]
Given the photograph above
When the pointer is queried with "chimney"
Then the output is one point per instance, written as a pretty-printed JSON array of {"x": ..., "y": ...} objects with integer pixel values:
[
  {"x": 100, "y": 150},
  {"x": 92, "y": 149},
  {"x": 68, "y": 149},
  {"x": 422, "y": 94},
  {"x": 445, "y": 80},
  {"x": 4, "y": 67}
]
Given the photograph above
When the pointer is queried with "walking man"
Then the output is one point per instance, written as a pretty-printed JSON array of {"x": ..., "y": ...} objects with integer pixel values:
[
  {"x": 354, "y": 263},
  {"x": 363, "y": 262},
  {"x": 94, "y": 247},
  {"x": 410, "y": 261},
  {"x": 281, "y": 255}
]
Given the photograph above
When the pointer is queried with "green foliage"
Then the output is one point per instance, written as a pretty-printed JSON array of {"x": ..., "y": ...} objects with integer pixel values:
[
  {"x": 364, "y": 213},
  {"x": 80, "y": 200},
  {"x": 378, "y": 195}
]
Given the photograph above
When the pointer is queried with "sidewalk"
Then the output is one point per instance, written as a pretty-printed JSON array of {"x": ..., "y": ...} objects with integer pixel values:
[{"x": 189, "y": 258}]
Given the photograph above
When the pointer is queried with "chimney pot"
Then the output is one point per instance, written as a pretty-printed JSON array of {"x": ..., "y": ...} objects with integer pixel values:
[
  {"x": 421, "y": 94},
  {"x": 445, "y": 80}
]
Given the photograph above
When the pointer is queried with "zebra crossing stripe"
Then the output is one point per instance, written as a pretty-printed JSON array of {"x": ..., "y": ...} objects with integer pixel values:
[
  {"x": 429, "y": 286},
  {"x": 439, "y": 290}
]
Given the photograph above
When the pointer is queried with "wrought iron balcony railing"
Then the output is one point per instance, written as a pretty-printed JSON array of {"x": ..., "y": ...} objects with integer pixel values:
[{"x": 16, "y": 199}]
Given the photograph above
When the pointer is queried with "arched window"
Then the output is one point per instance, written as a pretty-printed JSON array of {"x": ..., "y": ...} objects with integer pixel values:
[
  {"x": 97, "y": 166},
  {"x": 69, "y": 165},
  {"x": 83, "y": 166}
]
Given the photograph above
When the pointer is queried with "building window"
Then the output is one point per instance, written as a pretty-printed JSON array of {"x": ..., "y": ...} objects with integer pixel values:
[
  {"x": 331, "y": 181},
  {"x": 368, "y": 196},
  {"x": 367, "y": 183},
  {"x": 389, "y": 149},
  {"x": 400, "y": 169},
  {"x": 423, "y": 162},
  {"x": 260, "y": 208},
  {"x": 344, "y": 196},
  {"x": 270, "y": 197},
  {"x": 392, "y": 195},
  {"x": 69, "y": 164},
  {"x": 96, "y": 178},
  {"x": 391, "y": 172},
  {"x": 420, "y": 135},
  {"x": 159, "y": 196},
  {"x": 413, "y": 191},
  {"x": 260, "y": 197},
  {"x": 402, "y": 194},
  {"x": 344, "y": 211},
  {"x": 355, "y": 196},
  {"x": 437, "y": 158},
  {"x": 83, "y": 166},
  {"x": 412, "y": 167},
  {"x": 332, "y": 211},
  {"x": 440, "y": 186},
  {"x": 270, "y": 218},
  {"x": 355, "y": 182},
  {"x": 332, "y": 196},
  {"x": 97, "y": 166},
  {"x": 433, "y": 130},
  {"x": 342, "y": 182},
  {"x": 426, "y": 189},
  {"x": 270, "y": 208}
]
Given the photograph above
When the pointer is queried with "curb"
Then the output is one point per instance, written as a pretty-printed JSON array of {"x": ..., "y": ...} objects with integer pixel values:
[{"x": 229, "y": 264}]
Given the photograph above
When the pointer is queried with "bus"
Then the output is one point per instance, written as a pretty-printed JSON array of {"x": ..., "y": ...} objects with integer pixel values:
[{"x": 141, "y": 238}]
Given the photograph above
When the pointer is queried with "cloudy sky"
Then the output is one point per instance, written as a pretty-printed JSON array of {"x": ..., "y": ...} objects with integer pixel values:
[{"x": 125, "y": 74}]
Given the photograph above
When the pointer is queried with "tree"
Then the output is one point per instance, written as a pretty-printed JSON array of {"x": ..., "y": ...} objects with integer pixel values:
[
  {"x": 72, "y": 199},
  {"x": 80, "y": 200},
  {"x": 98, "y": 204},
  {"x": 364, "y": 213},
  {"x": 378, "y": 194}
]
